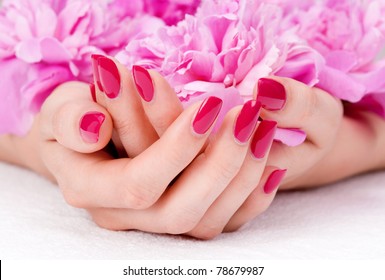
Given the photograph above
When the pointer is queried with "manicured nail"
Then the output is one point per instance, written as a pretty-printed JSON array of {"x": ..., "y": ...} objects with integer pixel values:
[
  {"x": 143, "y": 82},
  {"x": 274, "y": 180},
  {"x": 247, "y": 121},
  {"x": 92, "y": 91},
  {"x": 271, "y": 94},
  {"x": 207, "y": 114},
  {"x": 109, "y": 76},
  {"x": 90, "y": 126},
  {"x": 263, "y": 138},
  {"x": 94, "y": 60}
]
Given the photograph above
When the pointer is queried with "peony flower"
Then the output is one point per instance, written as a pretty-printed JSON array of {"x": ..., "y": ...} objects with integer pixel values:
[
  {"x": 223, "y": 50},
  {"x": 349, "y": 34}
]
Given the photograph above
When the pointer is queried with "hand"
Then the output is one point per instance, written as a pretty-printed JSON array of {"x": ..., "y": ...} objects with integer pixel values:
[
  {"x": 294, "y": 105},
  {"x": 135, "y": 193},
  {"x": 72, "y": 145},
  {"x": 340, "y": 142}
]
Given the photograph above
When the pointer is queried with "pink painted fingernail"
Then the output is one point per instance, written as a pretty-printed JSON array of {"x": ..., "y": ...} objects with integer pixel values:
[
  {"x": 274, "y": 180},
  {"x": 263, "y": 138},
  {"x": 271, "y": 94},
  {"x": 94, "y": 60},
  {"x": 247, "y": 121},
  {"x": 90, "y": 126},
  {"x": 143, "y": 82},
  {"x": 109, "y": 76},
  {"x": 207, "y": 114},
  {"x": 92, "y": 91}
]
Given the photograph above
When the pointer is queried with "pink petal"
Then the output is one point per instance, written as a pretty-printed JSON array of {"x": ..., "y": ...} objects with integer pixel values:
[
  {"x": 262, "y": 69},
  {"x": 290, "y": 136},
  {"x": 373, "y": 81},
  {"x": 46, "y": 21},
  {"x": 53, "y": 51},
  {"x": 29, "y": 51},
  {"x": 14, "y": 118},
  {"x": 341, "y": 60},
  {"x": 340, "y": 85}
]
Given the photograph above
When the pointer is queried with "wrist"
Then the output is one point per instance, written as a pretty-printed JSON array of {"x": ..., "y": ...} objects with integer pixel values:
[
  {"x": 357, "y": 149},
  {"x": 24, "y": 151}
]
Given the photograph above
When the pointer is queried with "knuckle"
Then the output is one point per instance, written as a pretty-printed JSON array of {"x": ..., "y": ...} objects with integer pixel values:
[
  {"x": 207, "y": 231},
  {"x": 72, "y": 198},
  {"x": 105, "y": 221},
  {"x": 125, "y": 127},
  {"x": 182, "y": 221},
  {"x": 225, "y": 170},
  {"x": 140, "y": 191},
  {"x": 137, "y": 196}
]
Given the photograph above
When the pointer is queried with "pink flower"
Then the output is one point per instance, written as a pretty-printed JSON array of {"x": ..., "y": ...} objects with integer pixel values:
[
  {"x": 349, "y": 34},
  {"x": 171, "y": 11},
  {"x": 48, "y": 42},
  {"x": 223, "y": 51}
]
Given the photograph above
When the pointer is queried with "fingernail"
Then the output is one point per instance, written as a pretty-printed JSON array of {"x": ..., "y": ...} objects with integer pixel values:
[
  {"x": 92, "y": 91},
  {"x": 143, "y": 82},
  {"x": 94, "y": 60},
  {"x": 247, "y": 121},
  {"x": 109, "y": 76},
  {"x": 207, "y": 114},
  {"x": 263, "y": 138},
  {"x": 90, "y": 126},
  {"x": 274, "y": 180},
  {"x": 271, "y": 94}
]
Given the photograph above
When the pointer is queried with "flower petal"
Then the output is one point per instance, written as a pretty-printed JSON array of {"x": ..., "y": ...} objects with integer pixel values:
[
  {"x": 291, "y": 137},
  {"x": 29, "y": 51}
]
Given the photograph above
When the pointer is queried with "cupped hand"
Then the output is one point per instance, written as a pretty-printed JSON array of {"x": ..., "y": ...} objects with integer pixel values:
[{"x": 176, "y": 182}]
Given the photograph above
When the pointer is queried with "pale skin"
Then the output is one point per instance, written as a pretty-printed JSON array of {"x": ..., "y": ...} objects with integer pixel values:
[{"x": 216, "y": 191}]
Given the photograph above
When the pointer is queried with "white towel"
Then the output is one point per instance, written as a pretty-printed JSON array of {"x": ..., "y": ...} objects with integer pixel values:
[{"x": 345, "y": 220}]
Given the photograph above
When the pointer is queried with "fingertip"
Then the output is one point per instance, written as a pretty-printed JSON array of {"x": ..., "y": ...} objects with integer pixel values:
[
  {"x": 273, "y": 181},
  {"x": 143, "y": 83},
  {"x": 90, "y": 125},
  {"x": 271, "y": 93},
  {"x": 84, "y": 127}
]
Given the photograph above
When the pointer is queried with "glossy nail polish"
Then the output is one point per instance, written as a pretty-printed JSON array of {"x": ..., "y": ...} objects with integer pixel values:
[
  {"x": 143, "y": 82},
  {"x": 92, "y": 91},
  {"x": 90, "y": 126},
  {"x": 109, "y": 77},
  {"x": 247, "y": 121},
  {"x": 94, "y": 60},
  {"x": 274, "y": 180},
  {"x": 263, "y": 138},
  {"x": 271, "y": 94},
  {"x": 207, "y": 114}
]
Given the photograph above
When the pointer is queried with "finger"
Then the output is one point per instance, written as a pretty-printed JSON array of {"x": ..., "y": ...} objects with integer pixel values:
[
  {"x": 186, "y": 202},
  {"x": 224, "y": 207},
  {"x": 115, "y": 90},
  {"x": 160, "y": 102},
  {"x": 295, "y": 105},
  {"x": 97, "y": 181},
  {"x": 153, "y": 219},
  {"x": 70, "y": 117},
  {"x": 259, "y": 200}
]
